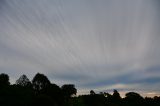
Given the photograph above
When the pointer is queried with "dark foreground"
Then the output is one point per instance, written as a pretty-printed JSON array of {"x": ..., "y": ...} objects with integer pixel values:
[{"x": 41, "y": 92}]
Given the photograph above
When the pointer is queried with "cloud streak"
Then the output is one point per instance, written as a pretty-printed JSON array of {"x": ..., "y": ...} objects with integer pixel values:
[{"x": 90, "y": 43}]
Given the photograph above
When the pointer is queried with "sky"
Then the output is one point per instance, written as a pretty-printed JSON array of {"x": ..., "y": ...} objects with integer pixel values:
[{"x": 94, "y": 44}]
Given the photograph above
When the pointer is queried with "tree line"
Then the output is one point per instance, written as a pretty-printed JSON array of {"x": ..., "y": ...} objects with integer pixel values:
[{"x": 41, "y": 92}]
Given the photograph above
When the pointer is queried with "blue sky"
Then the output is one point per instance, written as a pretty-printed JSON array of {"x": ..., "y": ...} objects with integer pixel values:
[{"x": 94, "y": 44}]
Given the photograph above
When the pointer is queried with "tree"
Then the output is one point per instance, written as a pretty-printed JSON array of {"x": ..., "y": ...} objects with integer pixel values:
[
  {"x": 23, "y": 81},
  {"x": 133, "y": 99},
  {"x": 40, "y": 82},
  {"x": 55, "y": 92},
  {"x": 116, "y": 95},
  {"x": 4, "y": 80},
  {"x": 92, "y": 92},
  {"x": 116, "y": 98},
  {"x": 133, "y": 96},
  {"x": 69, "y": 90}
]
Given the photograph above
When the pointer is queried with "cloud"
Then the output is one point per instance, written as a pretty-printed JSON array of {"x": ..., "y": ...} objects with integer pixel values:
[{"x": 93, "y": 44}]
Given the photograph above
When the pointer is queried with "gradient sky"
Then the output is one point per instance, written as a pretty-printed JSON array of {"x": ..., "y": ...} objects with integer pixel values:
[{"x": 94, "y": 44}]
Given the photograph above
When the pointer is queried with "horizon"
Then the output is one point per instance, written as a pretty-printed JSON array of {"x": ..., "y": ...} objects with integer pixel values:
[
  {"x": 122, "y": 92},
  {"x": 96, "y": 45}
]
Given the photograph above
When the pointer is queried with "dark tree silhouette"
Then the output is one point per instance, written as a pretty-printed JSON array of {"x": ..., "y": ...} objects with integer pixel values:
[
  {"x": 4, "y": 80},
  {"x": 23, "y": 81},
  {"x": 55, "y": 92},
  {"x": 44, "y": 93},
  {"x": 92, "y": 92},
  {"x": 69, "y": 90},
  {"x": 107, "y": 95},
  {"x": 133, "y": 99},
  {"x": 133, "y": 95},
  {"x": 116, "y": 98},
  {"x": 116, "y": 95},
  {"x": 40, "y": 82}
]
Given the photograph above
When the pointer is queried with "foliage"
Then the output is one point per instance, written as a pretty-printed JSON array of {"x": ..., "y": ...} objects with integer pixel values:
[
  {"x": 40, "y": 82},
  {"x": 23, "y": 81},
  {"x": 69, "y": 90},
  {"x": 4, "y": 80}
]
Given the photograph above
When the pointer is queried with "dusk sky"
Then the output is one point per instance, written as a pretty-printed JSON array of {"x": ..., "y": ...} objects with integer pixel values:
[{"x": 94, "y": 44}]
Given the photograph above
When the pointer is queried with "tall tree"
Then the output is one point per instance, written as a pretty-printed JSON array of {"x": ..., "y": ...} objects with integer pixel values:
[
  {"x": 116, "y": 98},
  {"x": 4, "y": 80},
  {"x": 40, "y": 82},
  {"x": 116, "y": 95},
  {"x": 23, "y": 81}
]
